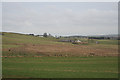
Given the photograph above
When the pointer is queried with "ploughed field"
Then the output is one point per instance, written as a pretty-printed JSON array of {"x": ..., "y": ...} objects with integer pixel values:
[{"x": 38, "y": 57}]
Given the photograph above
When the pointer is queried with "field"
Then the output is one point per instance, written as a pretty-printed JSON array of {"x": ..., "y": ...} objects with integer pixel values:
[
  {"x": 26, "y": 56},
  {"x": 52, "y": 67}
]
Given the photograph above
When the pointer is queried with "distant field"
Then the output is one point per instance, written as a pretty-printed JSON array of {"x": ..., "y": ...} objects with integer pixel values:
[
  {"x": 39, "y": 57},
  {"x": 60, "y": 67},
  {"x": 26, "y": 45}
]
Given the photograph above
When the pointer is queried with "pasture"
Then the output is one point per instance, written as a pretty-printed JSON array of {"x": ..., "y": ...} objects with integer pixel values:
[
  {"x": 60, "y": 67},
  {"x": 25, "y": 56}
]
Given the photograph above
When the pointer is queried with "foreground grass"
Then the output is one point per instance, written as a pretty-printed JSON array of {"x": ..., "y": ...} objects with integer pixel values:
[{"x": 60, "y": 67}]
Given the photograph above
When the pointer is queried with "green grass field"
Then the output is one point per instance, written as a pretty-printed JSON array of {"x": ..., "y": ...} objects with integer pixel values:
[
  {"x": 26, "y": 56},
  {"x": 62, "y": 67}
]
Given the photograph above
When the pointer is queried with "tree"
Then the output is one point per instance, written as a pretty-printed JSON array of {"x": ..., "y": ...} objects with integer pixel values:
[
  {"x": 45, "y": 35},
  {"x": 50, "y": 35}
]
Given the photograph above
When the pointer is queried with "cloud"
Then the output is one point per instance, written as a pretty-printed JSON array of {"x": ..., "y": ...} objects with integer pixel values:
[{"x": 58, "y": 19}]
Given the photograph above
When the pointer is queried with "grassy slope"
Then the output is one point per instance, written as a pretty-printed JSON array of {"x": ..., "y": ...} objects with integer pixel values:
[
  {"x": 17, "y": 42},
  {"x": 74, "y": 67},
  {"x": 12, "y": 38}
]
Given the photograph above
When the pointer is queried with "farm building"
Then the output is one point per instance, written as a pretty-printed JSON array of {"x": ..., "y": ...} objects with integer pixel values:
[
  {"x": 78, "y": 41},
  {"x": 72, "y": 41},
  {"x": 66, "y": 40}
]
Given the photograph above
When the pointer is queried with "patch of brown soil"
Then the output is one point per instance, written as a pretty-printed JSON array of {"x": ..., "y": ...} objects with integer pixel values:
[
  {"x": 72, "y": 49},
  {"x": 65, "y": 50}
]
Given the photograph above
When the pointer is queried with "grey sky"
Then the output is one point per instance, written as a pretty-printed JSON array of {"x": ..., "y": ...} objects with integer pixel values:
[{"x": 67, "y": 18}]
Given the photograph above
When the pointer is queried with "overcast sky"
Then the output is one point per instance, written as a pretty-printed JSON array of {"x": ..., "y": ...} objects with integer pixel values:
[{"x": 75, "y": 18}]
